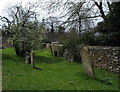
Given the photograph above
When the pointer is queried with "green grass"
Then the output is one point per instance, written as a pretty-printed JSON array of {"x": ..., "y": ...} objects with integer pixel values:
[
  {"x": 56, "y": 74},
  {"x": 0, "y": 69}
]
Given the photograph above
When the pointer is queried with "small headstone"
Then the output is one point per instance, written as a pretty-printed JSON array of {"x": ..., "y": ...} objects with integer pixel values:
[
  {"x": 87, "y": 63},
  {"x": 55, "y": 48},
  {"x": 27, "y": 58},
  {"x": 32, "y": 59},
  {"x": 47, "y": 45}
]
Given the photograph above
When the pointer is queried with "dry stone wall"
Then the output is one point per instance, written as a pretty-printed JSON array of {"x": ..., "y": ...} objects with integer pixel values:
[{"x": 105, "y": 57}]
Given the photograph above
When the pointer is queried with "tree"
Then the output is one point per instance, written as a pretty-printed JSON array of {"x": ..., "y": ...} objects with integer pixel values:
[
  {"x": 100, "y": 7},
  {"x": 61, "y": 29},
  {"x": 78, "y": 14},
  {"x": 23, "y": 28},
  {"x": 110, "y": 28},
  {"x": 70, "y": 45},
  {"x": 52, "y": 23}
]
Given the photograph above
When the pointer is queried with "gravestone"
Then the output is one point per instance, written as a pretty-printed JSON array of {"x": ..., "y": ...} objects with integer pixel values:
[
  {"x": 32, "y": 59},
  {"x": 55, "y": 48},
  {"x": 48, "y": 45},
  {"x": 87, "y": 63},
  {"x": 27, "y": 58}
]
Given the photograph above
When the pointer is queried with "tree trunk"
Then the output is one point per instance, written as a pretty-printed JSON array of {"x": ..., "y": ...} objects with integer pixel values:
[
  {"x": 79, "y": 25},
  {"x": 101, "y": 9}
]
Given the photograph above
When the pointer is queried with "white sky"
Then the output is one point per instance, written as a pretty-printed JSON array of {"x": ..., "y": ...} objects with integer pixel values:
[{"x": 4, "y": 4}]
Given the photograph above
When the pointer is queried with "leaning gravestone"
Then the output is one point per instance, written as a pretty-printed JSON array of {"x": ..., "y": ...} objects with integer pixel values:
[{"x": 87, "y": 63}]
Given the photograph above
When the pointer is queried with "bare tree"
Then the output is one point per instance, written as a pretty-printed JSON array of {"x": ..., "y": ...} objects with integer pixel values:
[
  {"x": 101, "y": 5},
  {"x": 79, "y": 11},
  {"x": 52, "y": 23}
]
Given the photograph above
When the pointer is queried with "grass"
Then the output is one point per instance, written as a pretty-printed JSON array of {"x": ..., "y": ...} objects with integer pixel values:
[
  {"x": 0, "y": 69},
  {"x": 56, "y": 74}
]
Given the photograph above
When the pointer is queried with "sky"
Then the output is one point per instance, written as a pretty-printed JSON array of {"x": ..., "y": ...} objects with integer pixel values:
[{"x": 4, "y": 4}]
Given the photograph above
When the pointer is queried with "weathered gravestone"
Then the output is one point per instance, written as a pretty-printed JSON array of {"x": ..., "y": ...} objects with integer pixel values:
[
  {"x": 87, "y": 63},
  {"x": 55, "y": 49},
  {"x": 30, "y": 58},
  {"x": 48, "y": 45},
  {"x": 27, "y": 57}
]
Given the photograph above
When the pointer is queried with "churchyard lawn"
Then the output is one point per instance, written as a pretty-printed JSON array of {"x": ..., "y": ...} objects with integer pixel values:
[{"x": 51, "y": 73}]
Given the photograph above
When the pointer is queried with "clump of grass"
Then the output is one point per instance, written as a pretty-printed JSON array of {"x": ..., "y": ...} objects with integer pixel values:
[{"x": 56, "y": 74}]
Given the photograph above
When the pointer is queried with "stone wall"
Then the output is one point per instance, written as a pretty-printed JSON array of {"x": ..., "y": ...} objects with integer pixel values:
[
  {"x": 100, "y": 56},
  {"x": 105, "y": 57}
]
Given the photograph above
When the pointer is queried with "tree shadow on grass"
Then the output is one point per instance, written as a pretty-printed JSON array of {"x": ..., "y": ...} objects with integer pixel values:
[
  {"x": 37, "y": 59},
  {"x": 48, "y": 60},
  {"x": 15, "y": 58},
  {"x": 12, "y": 58}
]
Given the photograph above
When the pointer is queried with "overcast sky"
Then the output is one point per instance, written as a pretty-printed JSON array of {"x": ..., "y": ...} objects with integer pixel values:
[
  {"x": 7, "y": 3},
  {"x": 4, "y": 4}
]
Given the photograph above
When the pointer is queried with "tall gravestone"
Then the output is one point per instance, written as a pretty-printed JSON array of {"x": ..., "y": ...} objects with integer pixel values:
[
  {"x": 32, "y": 59},
  {"x": 87, "y": 63}
]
